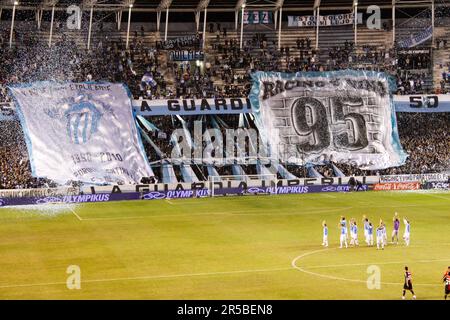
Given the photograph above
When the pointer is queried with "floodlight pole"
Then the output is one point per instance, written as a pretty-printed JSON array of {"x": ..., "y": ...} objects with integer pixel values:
[
  {"x": 90, "y": 28},
  {"x": 12, "y": 25},
  {"x": 432, "y": 23},
  {"x": 242, "y": 26},
  {"x": 204, "y": 28},
  {"x": 279, "y": 28},
  {"x": 167, "y": 24},
  {"x": 51, "y": 27},
  {"x": 128, "y": 27}
]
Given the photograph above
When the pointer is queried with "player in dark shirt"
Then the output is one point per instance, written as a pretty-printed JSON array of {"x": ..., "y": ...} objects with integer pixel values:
[
  {"x": 408, "y": 284},
  {"x": 396, "y": 228},
  {"x": 446, "y": 280}
]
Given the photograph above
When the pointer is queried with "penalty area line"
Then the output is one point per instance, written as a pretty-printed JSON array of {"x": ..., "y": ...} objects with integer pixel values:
[
  {"x": 294, "y": 265},
  {"x": 373, "y": 263},
  {"x": 241, "y": 213}
]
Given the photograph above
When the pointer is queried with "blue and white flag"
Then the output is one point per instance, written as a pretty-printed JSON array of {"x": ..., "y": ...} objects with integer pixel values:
[
  {"x": 81, "y": 132},
  {"x": 147, "y": 79}
]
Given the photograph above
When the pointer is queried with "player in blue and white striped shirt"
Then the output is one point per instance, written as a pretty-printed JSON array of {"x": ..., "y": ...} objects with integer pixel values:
[
  {"x": 325, "y": 234},
  {"x": 366, "y": 229},
  {"x": 384, "y": 234},
  {"x": 343, "y": 228},
  {"x": 354, "y": 234},
  {"x": 407, "y": 231},
  {"x": 370, "y": 234},
  {"x": 380, "y": 237}
]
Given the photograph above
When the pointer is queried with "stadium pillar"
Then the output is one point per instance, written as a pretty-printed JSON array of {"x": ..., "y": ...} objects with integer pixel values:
[
  {"x": 119, "y": 19},
  {"x": 355, "y": 22},
  {"x": 158, "y": 20},
  {"x": 317, "y": 27},
  {"x": 12, "y": 24},
  {"x": 432, "y": 23},
  {"x": 167, "y": 24},
  {"x": 39, "y": 18},
  {"x": 279, "y": 28},
  {"x": 90, "y": 28},
  {"x": 197, "y": 20},
  {"x": 275, "y": 18},
  {"x": 204, "y": 28},
  {"x": 51, "y": 27},
  {"x": 128, "y": 26},
  {"x": 242, "y": 25},
  {"x": 393, "y": 22}
]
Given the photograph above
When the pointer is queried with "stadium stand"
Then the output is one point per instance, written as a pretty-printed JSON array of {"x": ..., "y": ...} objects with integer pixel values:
[{"x": 146, "y": 68}]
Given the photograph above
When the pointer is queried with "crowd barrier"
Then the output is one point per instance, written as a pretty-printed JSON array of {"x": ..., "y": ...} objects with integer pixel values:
[
  {"x": 223, "y": 188},
  {"x": 176, "y": 194}
]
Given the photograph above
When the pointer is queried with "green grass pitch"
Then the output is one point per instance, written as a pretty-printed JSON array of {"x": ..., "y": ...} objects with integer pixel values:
[{"x": 254, "y": 247}]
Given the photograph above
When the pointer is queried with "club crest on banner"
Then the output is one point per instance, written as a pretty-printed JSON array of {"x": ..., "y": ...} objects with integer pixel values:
[
  {"x": 82, "y": 121},
  {"x": 81, "y": 116}
]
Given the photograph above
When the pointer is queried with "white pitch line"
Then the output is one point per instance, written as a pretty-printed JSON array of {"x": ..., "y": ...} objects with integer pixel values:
[
  {"x": 223, "y": 213},
  {"x": 436, "y": 196},
  {"x": 170, "y": 202},
  {"x": 203, "y": 274},
  {"x": 76, "y": 215}
]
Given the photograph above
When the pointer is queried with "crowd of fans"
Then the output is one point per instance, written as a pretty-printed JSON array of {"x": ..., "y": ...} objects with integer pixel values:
[
  {"x": 425, "y": 138},
  {"x": 225, "y": 72}
]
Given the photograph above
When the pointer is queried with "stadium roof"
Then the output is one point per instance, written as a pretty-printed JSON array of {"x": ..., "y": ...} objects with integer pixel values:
[{"x": 226, "y": 5}]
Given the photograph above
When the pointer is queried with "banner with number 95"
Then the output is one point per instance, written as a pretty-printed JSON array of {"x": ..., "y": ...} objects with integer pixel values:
[{"x": 341, "y": 116}]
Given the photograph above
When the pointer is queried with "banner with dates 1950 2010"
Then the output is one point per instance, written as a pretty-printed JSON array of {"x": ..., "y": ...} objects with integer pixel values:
[
  {"x": 81, "y": 132},
  {"x": 343, "y": 116}
]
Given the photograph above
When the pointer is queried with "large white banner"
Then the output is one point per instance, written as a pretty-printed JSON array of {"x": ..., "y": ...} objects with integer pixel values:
[
  {"x": 415, "y": 177},
  {"x": 329, "y": 20},
  {"x": 342, "y": 116},
  {"x": 81, "y": 132},
  {"x": 192, "y": 106},
  {"x": 416, "y": 39},
  {"x": 405, "y": 103},
  {"x": 422, "y": 103}
]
